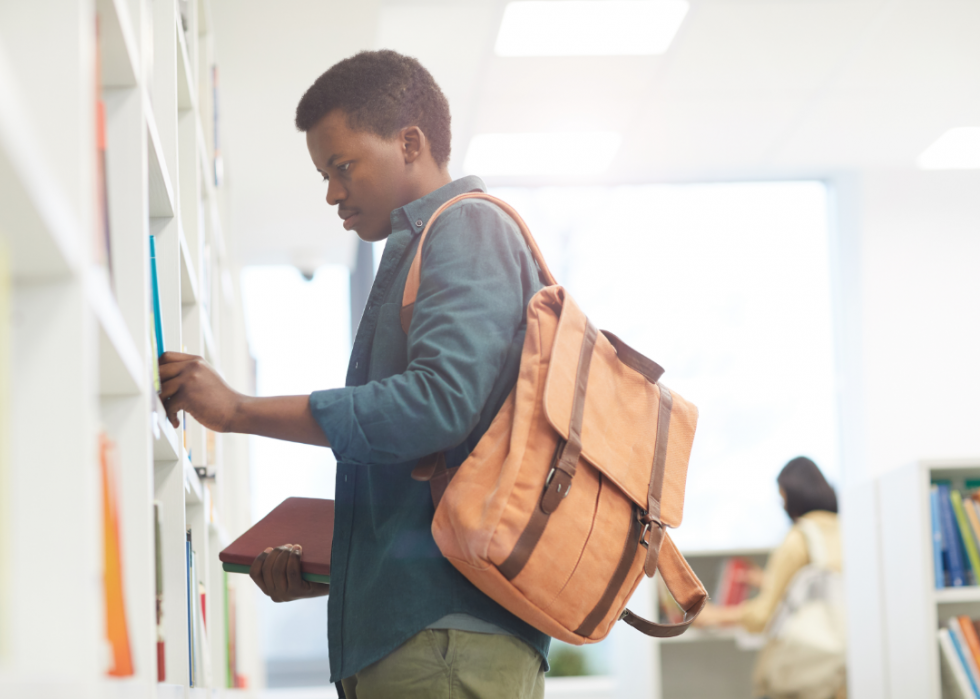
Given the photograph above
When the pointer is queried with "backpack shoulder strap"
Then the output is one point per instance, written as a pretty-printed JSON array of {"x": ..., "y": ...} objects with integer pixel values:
[
  {"x": 814, "y": 542},
  {"x": 415, "y": 271}
]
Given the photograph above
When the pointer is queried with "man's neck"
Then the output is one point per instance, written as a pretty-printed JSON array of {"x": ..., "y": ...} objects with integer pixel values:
[{"x": 432, "y": 181}]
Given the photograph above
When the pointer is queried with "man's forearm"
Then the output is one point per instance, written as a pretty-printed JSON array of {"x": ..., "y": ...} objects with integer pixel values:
[{"x": 280, "y": 417}]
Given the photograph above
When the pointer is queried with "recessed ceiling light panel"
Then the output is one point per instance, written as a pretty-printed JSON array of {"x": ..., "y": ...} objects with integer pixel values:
[
  {"x": 552, "y": 153},
  {"x": 957, "y": 149},
  {"x": 589, "y": 27}
]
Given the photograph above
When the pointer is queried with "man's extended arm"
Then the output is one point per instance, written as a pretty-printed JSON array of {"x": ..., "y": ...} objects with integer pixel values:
[{"x": 190, "y": 384}]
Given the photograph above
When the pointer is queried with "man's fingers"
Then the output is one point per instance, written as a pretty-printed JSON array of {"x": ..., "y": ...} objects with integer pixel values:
[
  {"x": 279, "y": 579},
  {"x": 173, "y": 405},
  {"x": 294, "y": 571},
  {"x": 255, "y": 570},
  {"x": 170, "y": 357},
  {"x": 169, "y": 387}
]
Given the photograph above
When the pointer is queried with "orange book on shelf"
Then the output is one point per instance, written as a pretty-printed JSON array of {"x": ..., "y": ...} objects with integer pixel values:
[
  {"x": 117, "y": 631},
  {"x": 970, "y": 634}
]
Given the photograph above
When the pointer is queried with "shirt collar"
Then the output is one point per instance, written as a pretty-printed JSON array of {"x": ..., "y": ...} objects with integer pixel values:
[{"x": 416, "y": 214}]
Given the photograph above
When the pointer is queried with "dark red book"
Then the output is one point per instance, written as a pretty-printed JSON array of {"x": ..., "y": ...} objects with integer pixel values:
[{"x": 304, "y": 521}]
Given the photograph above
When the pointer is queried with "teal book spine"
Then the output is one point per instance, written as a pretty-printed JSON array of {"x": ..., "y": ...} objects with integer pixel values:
[{"x": 157, "y": 315}]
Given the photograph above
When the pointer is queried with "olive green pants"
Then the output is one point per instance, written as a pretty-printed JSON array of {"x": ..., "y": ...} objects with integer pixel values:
[{"x": 451, "y": 664}]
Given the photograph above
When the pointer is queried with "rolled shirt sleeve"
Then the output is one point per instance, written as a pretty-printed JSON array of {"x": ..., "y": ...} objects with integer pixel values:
[{"x": 470, "y": 307}]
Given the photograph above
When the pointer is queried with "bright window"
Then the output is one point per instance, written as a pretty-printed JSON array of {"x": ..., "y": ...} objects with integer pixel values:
[{"x": 727, "y": 287}]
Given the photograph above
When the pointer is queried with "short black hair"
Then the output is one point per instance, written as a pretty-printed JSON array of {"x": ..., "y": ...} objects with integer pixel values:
[
  {"x": 381, "y": 92},
  {"x": 806, "y": 489}
]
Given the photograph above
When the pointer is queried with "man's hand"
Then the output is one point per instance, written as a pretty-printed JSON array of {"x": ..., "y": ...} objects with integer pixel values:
[
  {"x": 277, "y": 573},
  {"x": 189, "y": 383}
]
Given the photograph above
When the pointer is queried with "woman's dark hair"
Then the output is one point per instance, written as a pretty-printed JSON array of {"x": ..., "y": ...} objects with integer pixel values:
[
  {"x": 381, "y": 92},
  {"x": 806, "y": 489}
]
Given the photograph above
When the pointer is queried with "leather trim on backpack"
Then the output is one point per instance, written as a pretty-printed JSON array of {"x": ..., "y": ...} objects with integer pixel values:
[
  {"x": 651, "y": 518},
  {"x": 563, "y": 465},
  {"x": 616, "y": 581}
]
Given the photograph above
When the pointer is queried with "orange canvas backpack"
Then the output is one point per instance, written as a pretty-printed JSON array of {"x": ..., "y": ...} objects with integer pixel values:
[{"x": 562, "y": 507}]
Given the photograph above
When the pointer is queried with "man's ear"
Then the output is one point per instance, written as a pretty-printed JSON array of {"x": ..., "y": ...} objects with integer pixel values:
[{"x": 413, "y": 143}]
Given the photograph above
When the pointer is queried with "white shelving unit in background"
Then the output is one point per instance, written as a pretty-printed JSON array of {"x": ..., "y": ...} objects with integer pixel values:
[
  {"x": 729, "y": 652},
  {"x": 913, "y": 609},
  {"x": 77, "y": 345}
]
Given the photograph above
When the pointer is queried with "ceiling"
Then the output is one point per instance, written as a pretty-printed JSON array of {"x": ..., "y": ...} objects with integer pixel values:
[{"x": 749, "y": 89}]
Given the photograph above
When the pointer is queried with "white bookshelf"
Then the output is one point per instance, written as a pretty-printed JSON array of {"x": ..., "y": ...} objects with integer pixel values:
[
  {"x": 729, "y": 652},
  {"x": 79, "y": 353},
  {"x": 912, "y": 608}
]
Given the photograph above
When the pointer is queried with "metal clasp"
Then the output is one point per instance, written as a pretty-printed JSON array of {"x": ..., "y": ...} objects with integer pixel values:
[{"x": 547, "y": 482}]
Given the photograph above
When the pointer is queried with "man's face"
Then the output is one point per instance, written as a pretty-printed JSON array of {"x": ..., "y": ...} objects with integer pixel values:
[{"x": 366, "y": 174}]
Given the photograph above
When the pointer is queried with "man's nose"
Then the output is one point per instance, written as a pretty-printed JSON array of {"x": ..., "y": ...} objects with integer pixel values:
[{"x": 335, "y": 193}]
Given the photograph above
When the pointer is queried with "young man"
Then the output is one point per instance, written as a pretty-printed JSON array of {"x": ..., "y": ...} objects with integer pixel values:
[{"x": 402, "y": 621}]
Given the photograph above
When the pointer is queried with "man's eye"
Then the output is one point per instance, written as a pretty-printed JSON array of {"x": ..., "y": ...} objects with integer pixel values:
[
  {"x": 344, "y": 168},
  {"x": 326, "y": 178}
]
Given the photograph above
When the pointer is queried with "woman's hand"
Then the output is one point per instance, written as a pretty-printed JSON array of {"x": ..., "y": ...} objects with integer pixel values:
[
  {"x": 717, "y": 615},
  {"x": 707, "y": 616},
  {"x": 278, "y": 574},
  {"x": 189, "y": 383},
  {"x": 752, "y": 576}
]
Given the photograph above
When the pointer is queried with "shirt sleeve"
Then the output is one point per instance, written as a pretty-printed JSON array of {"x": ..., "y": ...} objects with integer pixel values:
[
  {"x": 783, "y": 564},
  {"x": 470, "y": 306}
]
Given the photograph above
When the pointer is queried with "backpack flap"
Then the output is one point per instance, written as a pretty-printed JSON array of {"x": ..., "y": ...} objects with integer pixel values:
[{"x": 622, "y": 403}]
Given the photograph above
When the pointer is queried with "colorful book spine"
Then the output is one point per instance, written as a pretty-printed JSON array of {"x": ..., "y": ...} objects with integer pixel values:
[
  {"x": 971, "y": 638},
  {"x": 973, "y": 522},
  {"x": 952, "y": 538},
  {"x": 954, "y": 661},
  {"x": 963, "y": 653},
  {"x": 938, "y": 547},
  {"x": 190, "y": 612},
  {"x": 158, "y": 566},
  {"x": 966, "y": 535},
  {"x": 154, "y": 280},
  {"x": 117, "y": 629}
]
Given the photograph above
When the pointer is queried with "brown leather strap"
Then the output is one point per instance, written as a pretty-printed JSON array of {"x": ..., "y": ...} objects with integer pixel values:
[
  {"x": 563, "y": 465},
  {"x": 415, "y": 271},
  {"x": 529, "y": 538},
  {"x": 561, "y": 475},
  {"x": 686, "y": 589},
  {"x": 615, "y": 582},
  {"x": 426, "y": 468},
  {"x": 652, "y": 517},
  {"x": 634, "y": 360},
  {"x": 432, "y": 468}
]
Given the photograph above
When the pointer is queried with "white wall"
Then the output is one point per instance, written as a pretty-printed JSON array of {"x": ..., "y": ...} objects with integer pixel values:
[{"x": 907, "y": 308}]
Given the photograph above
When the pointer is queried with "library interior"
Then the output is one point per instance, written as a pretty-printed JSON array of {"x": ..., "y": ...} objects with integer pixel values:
[{"x": 777, "y": 201}]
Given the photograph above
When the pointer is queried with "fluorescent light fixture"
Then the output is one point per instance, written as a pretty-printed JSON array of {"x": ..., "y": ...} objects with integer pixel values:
[
  {"x": 589, "y": 27},
  {"x": 550, "y": 153},
  {"x": 957, "y": 149}
]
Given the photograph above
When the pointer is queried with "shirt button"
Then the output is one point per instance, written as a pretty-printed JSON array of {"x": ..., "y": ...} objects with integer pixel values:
[{"x": 419, "y": 223}]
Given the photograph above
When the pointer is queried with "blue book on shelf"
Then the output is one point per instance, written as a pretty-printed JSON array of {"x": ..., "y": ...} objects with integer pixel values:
[
  {"x": 951, "y": 537},
  {"x": 937, "y": 538},
  {"x": 157, "y": 315}
]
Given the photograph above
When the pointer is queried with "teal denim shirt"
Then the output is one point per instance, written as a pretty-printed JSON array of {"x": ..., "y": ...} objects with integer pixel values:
[{"x": 436, "y": 389}]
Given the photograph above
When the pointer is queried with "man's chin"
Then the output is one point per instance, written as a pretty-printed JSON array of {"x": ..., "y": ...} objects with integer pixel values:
[{"x": 372, "y": 236}]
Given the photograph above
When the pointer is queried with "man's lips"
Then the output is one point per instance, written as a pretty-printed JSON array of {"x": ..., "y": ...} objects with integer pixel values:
[{"x": 350, "y": 218}]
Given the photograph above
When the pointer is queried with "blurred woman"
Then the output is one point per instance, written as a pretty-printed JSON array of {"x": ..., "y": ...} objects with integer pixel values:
[{"x": 799, "y": 603}]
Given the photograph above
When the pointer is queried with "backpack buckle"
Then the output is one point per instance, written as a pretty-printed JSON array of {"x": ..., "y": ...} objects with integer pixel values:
[
  {"x": 547, "y": 482},
  {"x": 648, "y": 522},
  {"x": 555, "y": 490}
]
